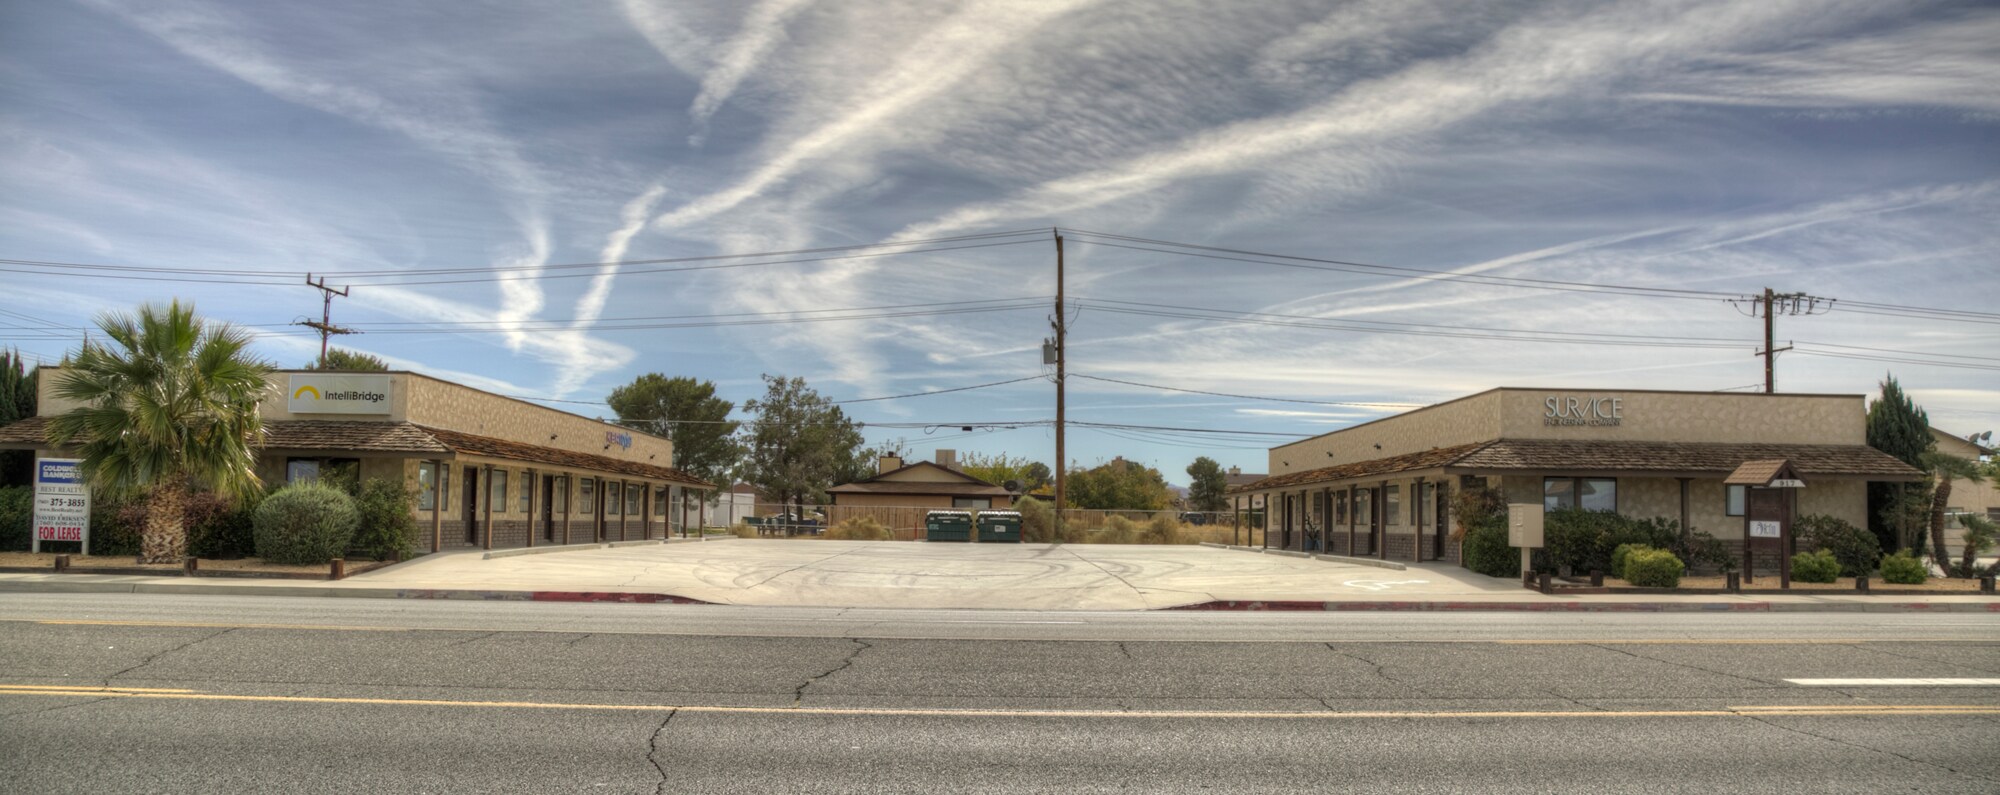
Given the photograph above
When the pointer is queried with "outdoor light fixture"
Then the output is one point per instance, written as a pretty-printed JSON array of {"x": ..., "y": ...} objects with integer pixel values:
[{"x": 552, "y": 437}]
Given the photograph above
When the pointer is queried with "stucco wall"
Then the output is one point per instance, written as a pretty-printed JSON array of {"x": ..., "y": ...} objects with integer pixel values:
[
  {"x": 1462, "y": 421},
  {"x": 1693, "y": 417}
]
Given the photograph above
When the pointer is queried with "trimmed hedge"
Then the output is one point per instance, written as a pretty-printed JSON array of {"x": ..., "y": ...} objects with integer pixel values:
[
  {"x": 1622, "y": 554},
  {"x": 305, "y": 523},
  {"x": 1653, "y": 568},
  {"x": 1486, "y": 551},
  {"x": 1903, "y": 568},
  {"x": 1582, "y": 540},
  {"x": 1818, "y": 566},
  {"x": 387, "y": 530}
]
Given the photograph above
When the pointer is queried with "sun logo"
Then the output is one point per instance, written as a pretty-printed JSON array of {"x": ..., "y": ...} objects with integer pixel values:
[{"x": 304, "y": 389}]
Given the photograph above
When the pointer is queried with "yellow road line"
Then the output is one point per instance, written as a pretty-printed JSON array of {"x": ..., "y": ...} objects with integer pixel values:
[
  {"x": 4, "y": 688},
  {"x": 1004, "y": 713}
]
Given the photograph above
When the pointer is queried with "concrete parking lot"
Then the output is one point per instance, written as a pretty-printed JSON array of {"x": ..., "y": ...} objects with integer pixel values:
[{"x": 904, "y": 574}]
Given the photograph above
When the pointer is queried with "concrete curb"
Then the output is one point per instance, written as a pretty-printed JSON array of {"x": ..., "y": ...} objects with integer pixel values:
[
  {"x": 639, "y": 543},
  {"x": 515, "y": 553},
  {"x": 1288, "y": 553},
  {"x": 1380, "y": 564},
  {"x": 1594, "y": 607},
  {"x": 207, "y": 589}
]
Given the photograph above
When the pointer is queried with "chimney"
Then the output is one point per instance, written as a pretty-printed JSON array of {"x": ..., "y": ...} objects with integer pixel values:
[
  {"x": 947, "y": 458},
  {"x": 1233, "y": 471},
  {"x": 888, "y": 463}
]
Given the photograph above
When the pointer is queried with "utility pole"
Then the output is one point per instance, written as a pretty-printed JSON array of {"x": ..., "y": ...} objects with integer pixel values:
[
  {"x": 325, "y": 324},
  {"x": 1770, "y": 304},
  {"x": 1061, "y": 323}
]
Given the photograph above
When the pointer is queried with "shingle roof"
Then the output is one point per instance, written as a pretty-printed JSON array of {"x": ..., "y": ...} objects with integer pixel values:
[
  {"x": 372, "y": 437},
  {"x": 919, "y": 487},
  {"x": 535, "y": 454},
  {"x": 30, "y": 431},
  {"x": 1822, "y": 460},
  {"x": 1408, "y": 462},
  {"x": 1756, "y": 473}
]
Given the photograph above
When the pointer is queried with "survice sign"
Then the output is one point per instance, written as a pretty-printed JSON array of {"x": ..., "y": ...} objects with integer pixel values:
[
  {"x": 1567, "y": 410},
  {"x": 337, "y": 394}
]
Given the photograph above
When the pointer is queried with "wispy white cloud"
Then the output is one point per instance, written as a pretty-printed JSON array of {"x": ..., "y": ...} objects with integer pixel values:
[{"x": 763, "y": 29}]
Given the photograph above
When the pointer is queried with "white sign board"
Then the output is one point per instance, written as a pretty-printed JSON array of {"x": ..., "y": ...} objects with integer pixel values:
[
  {"x": 1787, "y": 483},
  {"x": 311, "y": 393},
  {"x": 1765, "y": 530},
  {"x": 62, "y": 502}
]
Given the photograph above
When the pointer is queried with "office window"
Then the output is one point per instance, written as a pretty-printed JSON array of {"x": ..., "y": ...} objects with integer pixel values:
[
  {"x": 586, "y": 502},
  {"x": 659, "y": 501},
  {"x": 1364, "y": 507},
  {"x": 1737, "y": 497},
  {"x": 1590, "y": 494},
  {"x": 496, "y": 490},
  {"x": 612, "y": 498},
  {"x": 981, "y": 503},
  {"x": 1392, "y": 505},
  {"x": 561, "y": 500},
  {"x": 633, "y": 494},
  {"x": 427, "y": 486}
]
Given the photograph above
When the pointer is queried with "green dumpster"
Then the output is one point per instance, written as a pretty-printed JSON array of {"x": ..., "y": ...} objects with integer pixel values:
[
  {"x": 948, "y": 526},
  {"x": 1000, "y": 526}
]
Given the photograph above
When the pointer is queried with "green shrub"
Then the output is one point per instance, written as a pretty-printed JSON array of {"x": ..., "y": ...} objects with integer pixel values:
[
  {"x": 1622, "y": 554},
  {"x": 859, "y": 528},
  {"x": 305, "y": 523},
  {"x": 1903, "y": 568},
  {"x": 388, "y": 530},
  {"x": 1855, "y": 548},
  {"x": 1708, "y": 551},
  {"x": 1818, "y": 566},
  {"x": 1582, "y": 541},
  {"x": 219, "y": 528},
  {"x": 1653, "y": 568},
  {"x": 1038, "y": 524},
  {"x": 1486, "y": 551},
  {"x": 17, "y": 517}
]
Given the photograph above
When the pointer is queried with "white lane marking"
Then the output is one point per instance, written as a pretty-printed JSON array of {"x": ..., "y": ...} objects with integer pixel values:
[
  {"x": 1382, "y": 585},
  {"x": 1893, "y": 682}
]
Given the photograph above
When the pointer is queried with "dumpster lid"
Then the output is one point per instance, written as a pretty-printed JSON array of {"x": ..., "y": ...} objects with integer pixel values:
[
  {"x": 1001, "y": 514},
  {"x": 966, "y": 514}
]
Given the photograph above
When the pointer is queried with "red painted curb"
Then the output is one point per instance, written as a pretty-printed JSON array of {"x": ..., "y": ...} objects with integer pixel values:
[
  {"x": 596, "y": 596},
  {"x": 1572, "y": 607}
]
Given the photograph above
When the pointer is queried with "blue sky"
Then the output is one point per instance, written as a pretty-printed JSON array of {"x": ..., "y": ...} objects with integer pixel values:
[{"x": 1845, "y": 149}]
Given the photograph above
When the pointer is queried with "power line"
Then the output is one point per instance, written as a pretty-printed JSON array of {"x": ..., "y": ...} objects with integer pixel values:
[
  {"x": 1355, "y": 324},
  {"x": 1036, "y": 377},
  {"x": 1574, "y": 338},
  {"x": 1248, "y": 397}
]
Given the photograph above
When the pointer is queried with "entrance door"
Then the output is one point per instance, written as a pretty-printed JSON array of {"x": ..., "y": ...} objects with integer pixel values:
[
  {"x": 1443, "y": 522},
  {"x": 1376, "y": 540},
  {"x": 549, "y": 507},
  {"x": 471, "y": 503}
]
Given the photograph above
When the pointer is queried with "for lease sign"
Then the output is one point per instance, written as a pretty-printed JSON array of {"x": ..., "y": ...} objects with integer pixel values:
[{"x": 62, "y": 501}]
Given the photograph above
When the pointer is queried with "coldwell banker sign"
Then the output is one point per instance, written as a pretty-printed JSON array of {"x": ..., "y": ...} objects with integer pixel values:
[
  {"x": 62, "y": 502},
  {"x": 1572, "y": 410},
  {"x": 337, "y": 394}
]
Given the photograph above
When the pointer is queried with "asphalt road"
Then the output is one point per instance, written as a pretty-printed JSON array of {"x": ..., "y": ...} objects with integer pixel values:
[{"x": 122, "y": 693}]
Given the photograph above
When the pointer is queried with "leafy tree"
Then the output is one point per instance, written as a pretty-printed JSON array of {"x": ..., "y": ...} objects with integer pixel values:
[
  {"x": 169, "y": 406},
  {"x": 17, "y": 402},
  {"x": 1979, "y": 536},
  {"x": 1944, "y": 468},
  {"x": 1000, "y": 468},
  {"x": 1898, "y": 427},
  {"x": 343, "y": 359},
  {"x": 799, "y": 443},
  {"x": 1118, "y": 484},
  {"x": 1037, "y": 478},
  {"x": 687, "y": 412},
  {"x": 1207, "y": 485}
]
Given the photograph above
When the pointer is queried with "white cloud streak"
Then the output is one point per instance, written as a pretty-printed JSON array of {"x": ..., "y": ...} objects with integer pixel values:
[{"x": 763, "y": 29}]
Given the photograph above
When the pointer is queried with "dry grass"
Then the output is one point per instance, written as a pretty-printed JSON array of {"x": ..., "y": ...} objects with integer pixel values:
[{"x": 859, "y": 528}]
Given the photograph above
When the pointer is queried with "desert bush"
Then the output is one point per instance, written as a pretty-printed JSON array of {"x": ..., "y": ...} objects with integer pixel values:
[
  {"x": 305, "y": 523},
  {"x": 1038, "y": 524},
  {"x": 1903, "y": 568},
  {"x": 1485, "y": 547},
  {"x": 1622, "y": 554},
  {"x": 743, "y": 530},
  {"x": 1653, "y": 568},
  {"x": 1161, "y": 529},
  {"x": 1818, "y": 566},
  {"x": 1116, "y": 530},
  {"x": 1855, "y": 548},
  {"x": 387, "y": 530},
  {"x": 17, "y": 517},
  {"x": 859, "y": 528}
]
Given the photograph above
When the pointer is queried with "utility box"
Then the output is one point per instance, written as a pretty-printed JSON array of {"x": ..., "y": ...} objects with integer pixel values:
[
  {"x": 1000, "y": 526},
  {"x": 1524, "y": 525},
  {"x": 948, "y": 526}
]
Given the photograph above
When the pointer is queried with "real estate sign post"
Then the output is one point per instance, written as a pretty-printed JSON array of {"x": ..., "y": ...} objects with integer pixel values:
[{"x": 62, "y": 503}]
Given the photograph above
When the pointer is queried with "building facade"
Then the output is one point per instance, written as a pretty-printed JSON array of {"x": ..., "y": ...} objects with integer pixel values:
[
  {"x": 900, "y": 494},
  {"x": 1384, "y": 488},
  {"x": 488, "y": 470}
]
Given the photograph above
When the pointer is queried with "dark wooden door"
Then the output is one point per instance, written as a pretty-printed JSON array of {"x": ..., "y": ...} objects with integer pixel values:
[
  {"x": 471, "y": 503},
  {"x": 549, "y": 507}
]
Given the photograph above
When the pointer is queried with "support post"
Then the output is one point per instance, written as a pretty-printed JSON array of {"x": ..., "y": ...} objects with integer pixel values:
[
  {"x": 1350, "y": 519},
  {"x": 485, "y": 491},
  {"x": 533, "y": 483},
  {"x": 438, "y": 492},
  {"x": 569, "y": 506},
  {"x": 1062, "y": 354},
  {"x": 1417, "y": 521},
  {"x": 1236, "y": 520},
  {"x": 700, "y": 514},
  {"x": 1380, "y": 519}
]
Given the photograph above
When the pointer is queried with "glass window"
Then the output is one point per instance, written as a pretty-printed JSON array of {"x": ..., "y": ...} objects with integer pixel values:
[
  {"x": 427, "y": 486},
  {"x": 1738, "y": 495},
  {"x": 1364, "y": 507},
  {"x": 561, "y": 501},
  {"x": 659, "y": 501},
  {"x": 633, "y": 494},
  {"x": 586, "y": 502},
  {"x": 301, "y": 470},
  {"x": 1392, "y": 505},
  {"x": 1340, "y": 507},
  {"x": 972, "y": 502},
  {"x": 611, "y": 498},
  {"x": 1558, "y": 493},
  {"x": 496, "y": 490},
  {"x": 1598, "y": 494}
]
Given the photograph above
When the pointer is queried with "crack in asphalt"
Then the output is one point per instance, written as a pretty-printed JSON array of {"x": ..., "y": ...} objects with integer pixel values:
[
  {"x": 155, "y": 656},
  {"x": 580, "y": 637},
  {"x": 1869, "y": 647},
  {"x": 653, "y": 752},
  {"x": 1924, "y": 762},
  {"x": 1682, "y": 665},
  {"x": 43, "y": 710},
  {"x": 1378, "y": 667},
  {"x": 479, "y": 637},
  {"x": 761, "y": 582},
  {"x": 1127, "y": 652},
  {"x": 799, "y": 694},
  {"x": 1108, "y": 573}
]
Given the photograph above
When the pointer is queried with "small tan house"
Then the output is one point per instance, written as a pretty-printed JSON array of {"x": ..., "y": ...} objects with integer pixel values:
[
  {"x": 900, "y": 494},
  {"x": 1966, "y": 496}
]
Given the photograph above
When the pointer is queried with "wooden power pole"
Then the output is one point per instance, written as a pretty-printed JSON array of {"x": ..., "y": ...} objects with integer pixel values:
[
  {"x": 325, "y": 324},
  {"x": 1061, "y": 322},
  {"x": 1770, "y": 304}
]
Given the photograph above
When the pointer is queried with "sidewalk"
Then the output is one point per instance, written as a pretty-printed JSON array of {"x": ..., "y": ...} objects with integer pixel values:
[{"x": 977, "y": 576}]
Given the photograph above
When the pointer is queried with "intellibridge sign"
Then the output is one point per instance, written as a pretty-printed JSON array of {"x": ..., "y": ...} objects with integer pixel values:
[{"x": 309, "y": 393}]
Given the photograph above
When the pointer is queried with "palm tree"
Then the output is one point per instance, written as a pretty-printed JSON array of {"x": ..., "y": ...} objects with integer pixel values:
[
  {"x": 1945, "y": 468},
  {"x": 170, "y": 406}
]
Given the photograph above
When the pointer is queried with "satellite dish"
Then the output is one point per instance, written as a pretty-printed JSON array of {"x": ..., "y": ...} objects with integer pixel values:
[{"x": 1012, "y": 485}]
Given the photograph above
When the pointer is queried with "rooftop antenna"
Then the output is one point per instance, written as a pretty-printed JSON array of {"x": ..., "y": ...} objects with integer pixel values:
[{"x": 325, "y": 324}]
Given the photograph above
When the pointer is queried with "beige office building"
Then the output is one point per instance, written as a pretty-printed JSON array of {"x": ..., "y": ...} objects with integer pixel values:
[
  {"x": 489, "y": 470},
  {"x": 1383, "y": 488}
]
